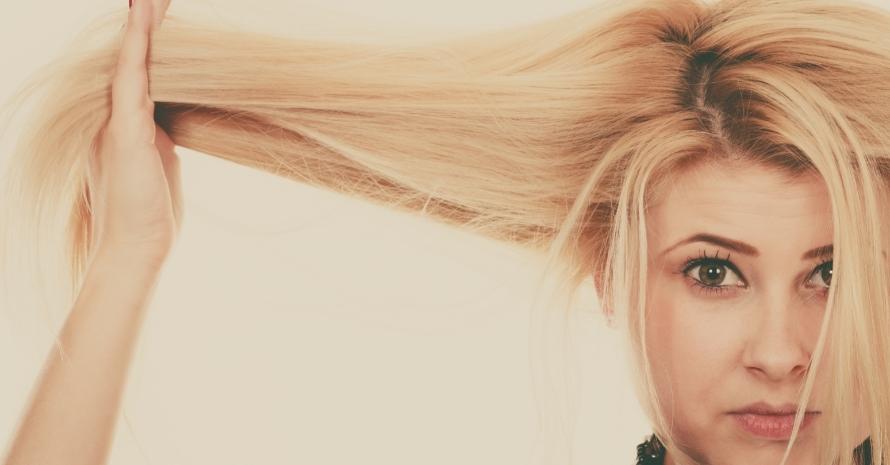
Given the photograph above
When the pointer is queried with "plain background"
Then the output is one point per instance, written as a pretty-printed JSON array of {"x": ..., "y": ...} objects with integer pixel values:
[{"x": 293, "y": 325}]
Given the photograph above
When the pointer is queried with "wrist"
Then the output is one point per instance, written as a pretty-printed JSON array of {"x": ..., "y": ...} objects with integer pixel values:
[{"x": 129, "y": 258}]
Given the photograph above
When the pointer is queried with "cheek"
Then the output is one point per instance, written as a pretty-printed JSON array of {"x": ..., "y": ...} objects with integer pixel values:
[{"x": 693, "y": 348}]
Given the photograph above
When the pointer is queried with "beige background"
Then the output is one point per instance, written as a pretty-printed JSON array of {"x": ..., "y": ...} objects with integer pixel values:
[{"x": 293, "y": 325}]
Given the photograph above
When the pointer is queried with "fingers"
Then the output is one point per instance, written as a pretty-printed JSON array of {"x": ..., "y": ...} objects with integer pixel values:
[{"x": 129, "y": 89}]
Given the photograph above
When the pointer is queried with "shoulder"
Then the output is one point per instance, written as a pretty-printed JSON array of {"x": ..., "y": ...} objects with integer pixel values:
[
  {"x": 650, "y": 451},
  {"x": 863, "y": 452}
]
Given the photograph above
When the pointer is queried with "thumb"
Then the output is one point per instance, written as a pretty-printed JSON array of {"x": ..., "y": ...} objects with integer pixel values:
[
  {"x": 159, "y": 12},
  {"x": 170, "y": 161}
]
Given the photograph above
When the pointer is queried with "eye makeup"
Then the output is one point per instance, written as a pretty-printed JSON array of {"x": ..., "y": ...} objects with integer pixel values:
[
  {"x": 721, "y": 267},
  {"x": 713, "y": 263}
]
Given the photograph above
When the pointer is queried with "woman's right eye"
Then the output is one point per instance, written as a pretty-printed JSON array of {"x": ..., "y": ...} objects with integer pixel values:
[{"x": 712, "y": 273}]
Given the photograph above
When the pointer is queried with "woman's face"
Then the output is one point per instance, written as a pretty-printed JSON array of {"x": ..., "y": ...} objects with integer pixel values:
[{"x": 736, "y": 292}]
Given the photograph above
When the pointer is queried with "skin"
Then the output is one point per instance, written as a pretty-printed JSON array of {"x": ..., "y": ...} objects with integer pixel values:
[
  {"x": 73, "y": 410},
  {"x": 715, "y": 353},
  {"x": 137, "y": 200}
]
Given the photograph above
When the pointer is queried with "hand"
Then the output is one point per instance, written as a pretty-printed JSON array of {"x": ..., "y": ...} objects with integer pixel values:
[{"x": 137, "y": 204}]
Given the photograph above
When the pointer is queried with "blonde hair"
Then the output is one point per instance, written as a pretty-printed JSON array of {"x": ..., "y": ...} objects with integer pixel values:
[{"x": 553, "y": 136}]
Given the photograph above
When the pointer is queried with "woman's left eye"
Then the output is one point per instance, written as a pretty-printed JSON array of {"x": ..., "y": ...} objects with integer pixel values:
[{"x": 823, "y": 272}]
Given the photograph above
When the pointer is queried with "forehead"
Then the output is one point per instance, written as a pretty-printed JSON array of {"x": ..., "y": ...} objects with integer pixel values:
[{"x": 742, "y": 201}]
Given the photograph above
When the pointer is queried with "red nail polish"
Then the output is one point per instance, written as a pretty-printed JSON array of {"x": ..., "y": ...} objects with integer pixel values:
[{"x": 131, "y": 3}]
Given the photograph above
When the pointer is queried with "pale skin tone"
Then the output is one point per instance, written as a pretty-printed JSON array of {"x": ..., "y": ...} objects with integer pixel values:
[
  {"x": 71, "y": 416},
  {"x": 758, "y": 336},
  {"x": 752, "y": 341}
]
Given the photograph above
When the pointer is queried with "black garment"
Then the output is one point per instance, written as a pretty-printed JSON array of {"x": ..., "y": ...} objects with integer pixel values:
[{"x": 651, "y": 452}]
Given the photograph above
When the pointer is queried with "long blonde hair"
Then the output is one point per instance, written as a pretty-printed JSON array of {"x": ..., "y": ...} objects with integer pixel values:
[{"x": 552, "y": 136}]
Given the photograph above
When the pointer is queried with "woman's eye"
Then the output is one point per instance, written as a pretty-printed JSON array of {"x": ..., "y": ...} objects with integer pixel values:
[
  {"x": 713, "y": 274},
  {"x": 823, "y": 273}
]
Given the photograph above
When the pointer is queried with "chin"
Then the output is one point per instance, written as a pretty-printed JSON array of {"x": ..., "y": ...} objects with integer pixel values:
[
  {"x": 768, "y": 456},
  {"x": 743, "y": 449},
  {"x": 766, "y": 452}
]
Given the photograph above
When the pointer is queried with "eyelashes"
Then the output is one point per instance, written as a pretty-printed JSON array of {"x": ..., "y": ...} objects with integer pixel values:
[
  {"x": 723, "y": 270},
  {"x": 711, "y": 263}
]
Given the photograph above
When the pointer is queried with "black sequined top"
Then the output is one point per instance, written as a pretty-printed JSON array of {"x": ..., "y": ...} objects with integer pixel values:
[{"x": 651, "y": 452}]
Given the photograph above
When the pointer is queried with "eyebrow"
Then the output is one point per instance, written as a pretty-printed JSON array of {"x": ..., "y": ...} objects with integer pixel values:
[{"x": 743, "y": 248}]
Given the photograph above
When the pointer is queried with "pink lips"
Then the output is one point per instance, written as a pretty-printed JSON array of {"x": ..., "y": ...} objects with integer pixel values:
[{"x": 772, "y": 426}]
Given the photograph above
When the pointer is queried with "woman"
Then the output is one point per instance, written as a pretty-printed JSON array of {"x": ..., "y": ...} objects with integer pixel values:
[
  {"x": 701, "y": 162},
  {"x": 742, "y": 272}
]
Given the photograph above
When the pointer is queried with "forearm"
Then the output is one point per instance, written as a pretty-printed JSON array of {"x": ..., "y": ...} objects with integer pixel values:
[{"x": 72, "y": 412}]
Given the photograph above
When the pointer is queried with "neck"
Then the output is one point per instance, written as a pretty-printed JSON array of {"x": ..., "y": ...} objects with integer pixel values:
[{"x": 669, "y": 459}]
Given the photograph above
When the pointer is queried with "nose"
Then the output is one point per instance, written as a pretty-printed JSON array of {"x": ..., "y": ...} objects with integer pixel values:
[{"x": 777, "y": 348}]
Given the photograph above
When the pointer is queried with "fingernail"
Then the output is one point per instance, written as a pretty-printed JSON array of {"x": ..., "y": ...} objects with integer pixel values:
[{"x": 131, "y": 3}]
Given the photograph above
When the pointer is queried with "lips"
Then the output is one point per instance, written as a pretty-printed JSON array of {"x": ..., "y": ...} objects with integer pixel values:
[{"x": 777, "y": 427}]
